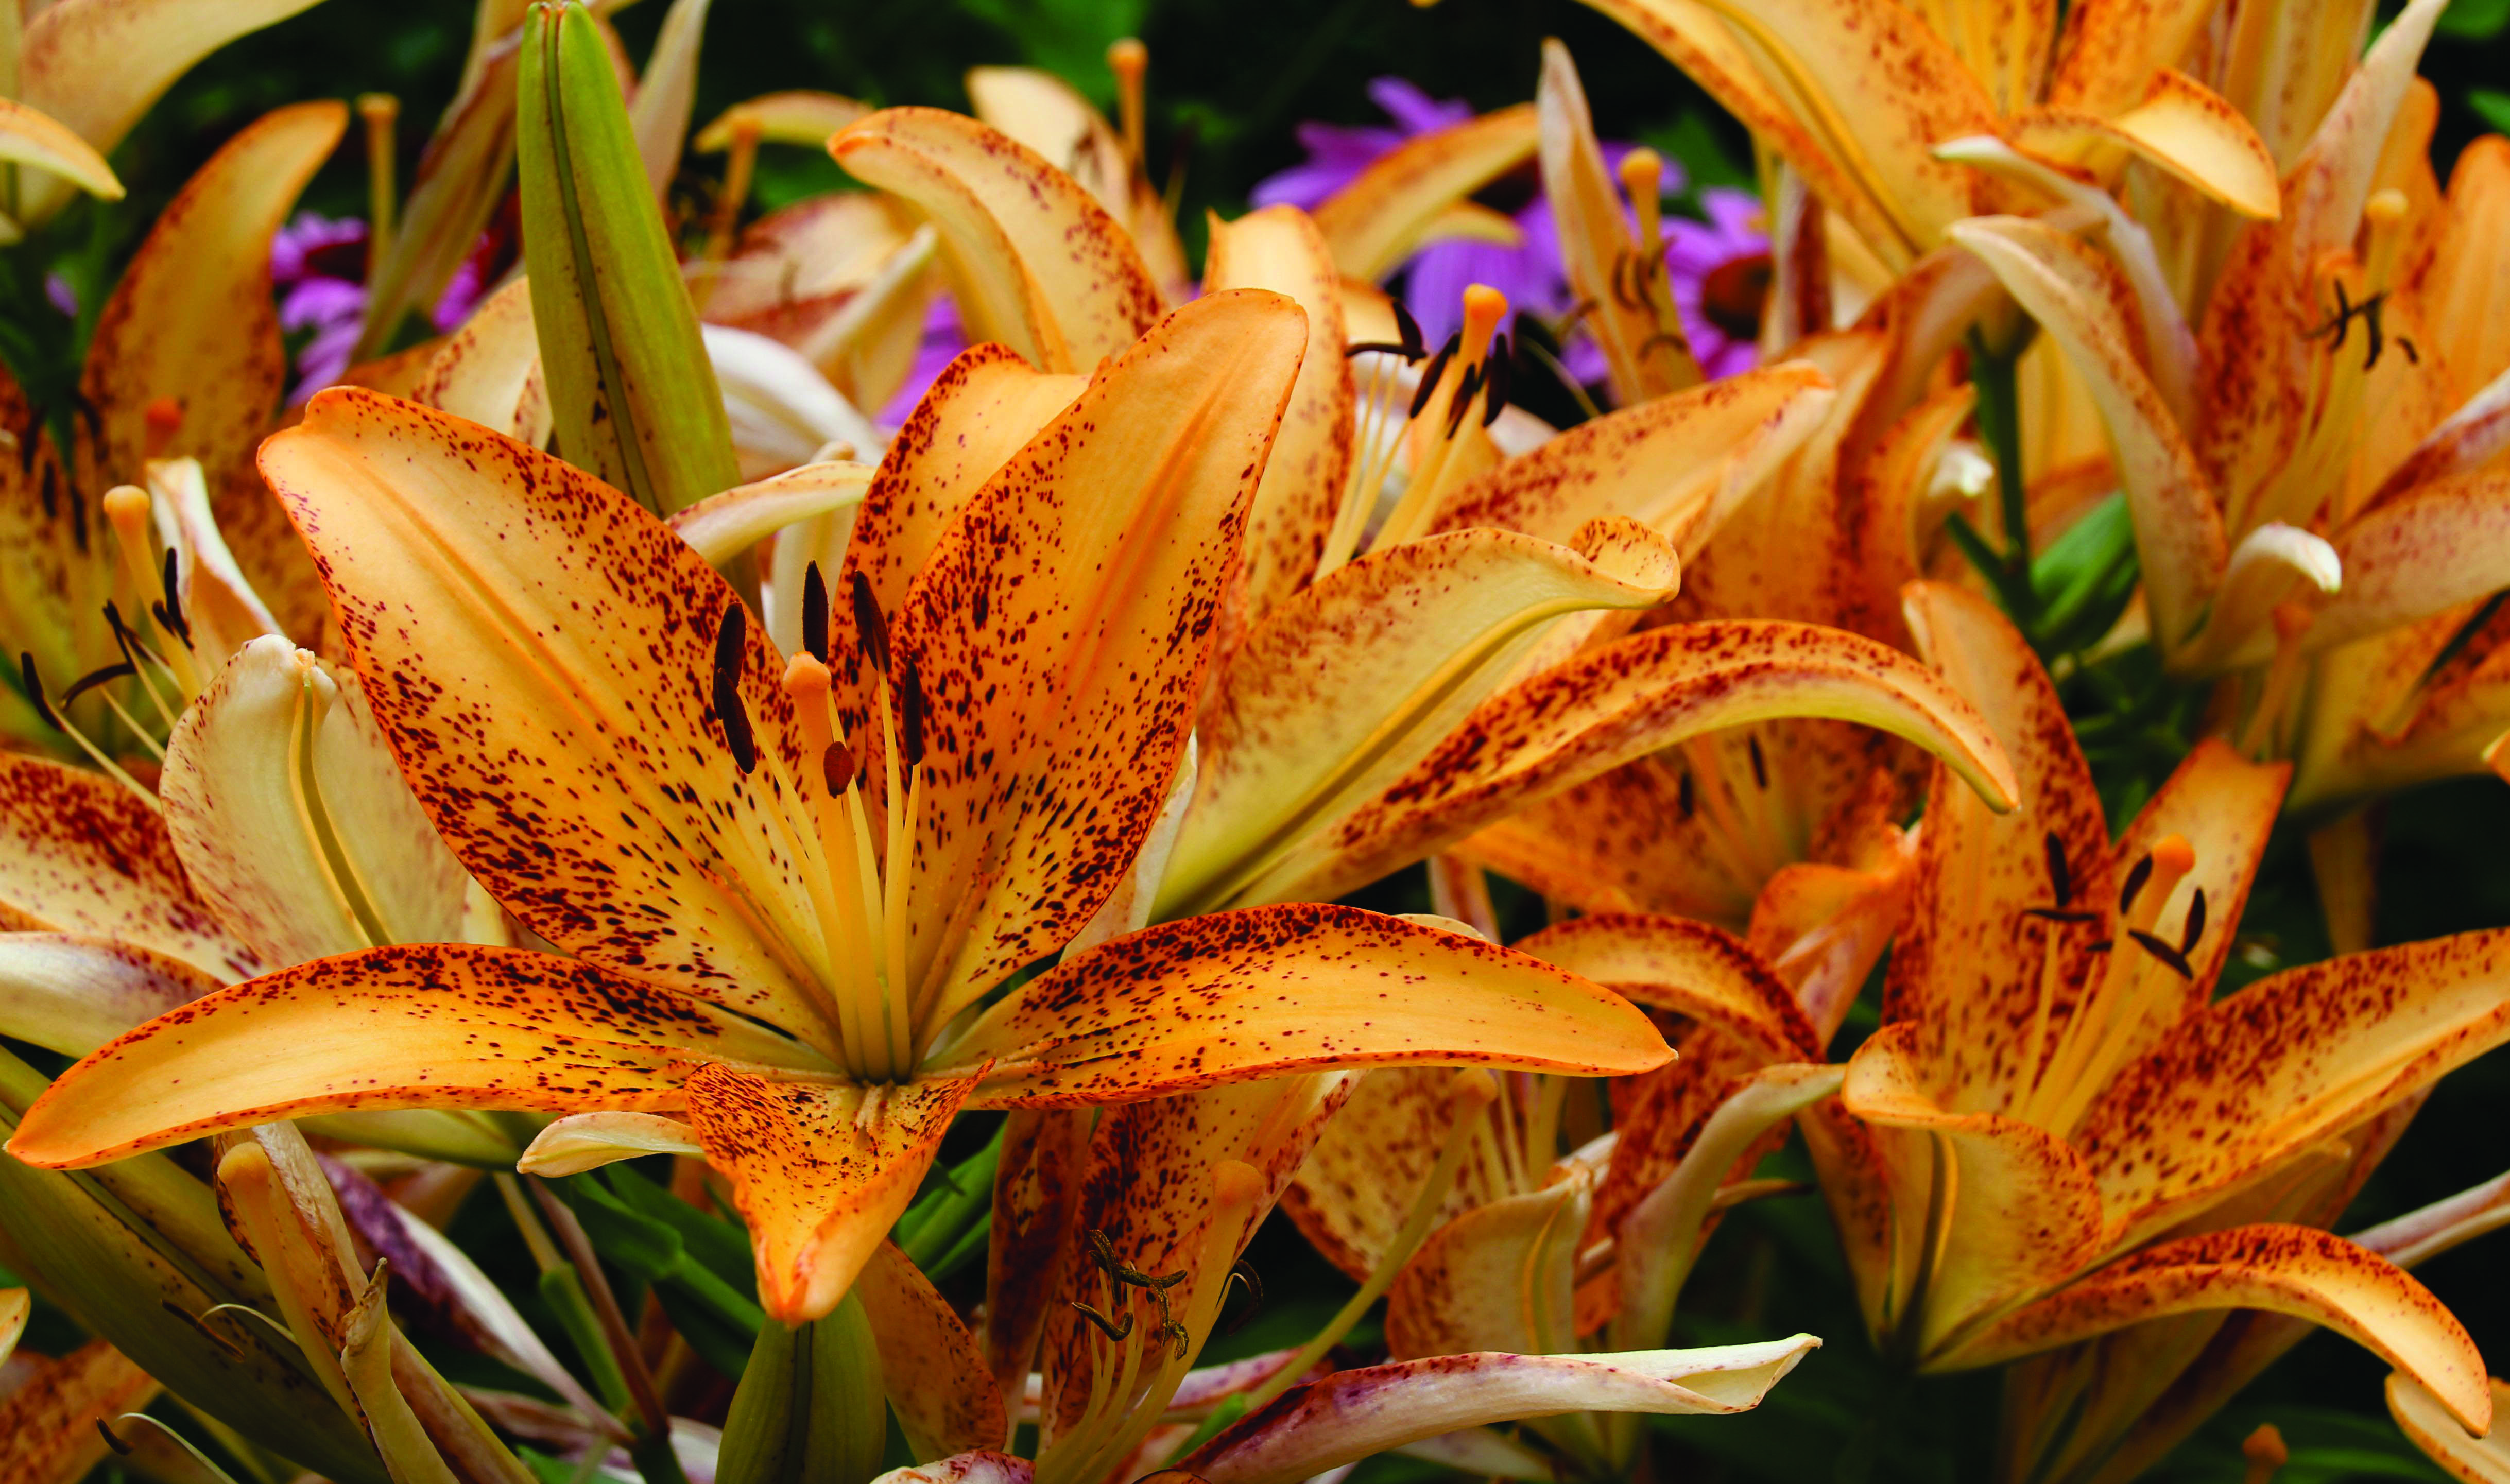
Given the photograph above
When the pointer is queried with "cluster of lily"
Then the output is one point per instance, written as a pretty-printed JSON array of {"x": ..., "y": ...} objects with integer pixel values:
[{"x": 868, "y": 888}]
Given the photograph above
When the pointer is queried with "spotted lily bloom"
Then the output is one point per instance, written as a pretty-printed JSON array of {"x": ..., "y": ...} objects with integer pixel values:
[
  {"x": 139, "y": 549},
  {"x": 2060, "y": 1131},
  {"x": 790, "y": 891}
]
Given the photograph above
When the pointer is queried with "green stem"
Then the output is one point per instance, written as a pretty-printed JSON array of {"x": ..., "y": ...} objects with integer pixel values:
[{"x": 1999, "y": 423}]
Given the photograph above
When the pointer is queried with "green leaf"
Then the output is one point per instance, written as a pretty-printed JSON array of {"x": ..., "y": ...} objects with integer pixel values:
[
  {"x": 2476, "y": 20},
  {"x": 633, "y": 395},
  {"x": 2495, "y": 107}
]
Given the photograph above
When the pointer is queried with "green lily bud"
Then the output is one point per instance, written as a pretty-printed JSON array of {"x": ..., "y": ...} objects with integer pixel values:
[
  {"x": 631, "y": 391},
  {"x": 810, "y": 1406}
]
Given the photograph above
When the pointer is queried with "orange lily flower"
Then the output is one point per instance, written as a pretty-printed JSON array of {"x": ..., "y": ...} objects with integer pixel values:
[
  {"x": 2060, "y": 1132},
  {"x": 789, "y": 892}
]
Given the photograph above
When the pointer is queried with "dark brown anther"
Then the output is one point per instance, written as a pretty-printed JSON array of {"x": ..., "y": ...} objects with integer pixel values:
[
  {"x": 728, "y": 708},
  {"x": 1466, "y": 386},
  {"x": 112, "y": 1441},
  {"x": 815, "y": 613},
  {"x": 2176, "y": 960},
  {"x": 910, "y": 712},
  {"x": 1436, "y": 368},
  {"x": 871, "y": 631},
  {"x": 170, "y": 612},
  {"x": 1371, "y": 348},
  {"x": 2196, "y": 923},
  {"x": 1104, "y": 1325},
  {"x": 2060, "y": 915},
  {"x": 34, "y": 685},
  {"x": 837, "y": 769},
  {"x": 1494, "y": 387},
  {"x": 1414, "y": 345},
  {"x": 1760, "y": 763},
  {"x": 2137, "y": 875},
  {"x": 1684, "y": 800},
  {"x": 2058, "y": 877},
  {"x": 102, "y": 676}
]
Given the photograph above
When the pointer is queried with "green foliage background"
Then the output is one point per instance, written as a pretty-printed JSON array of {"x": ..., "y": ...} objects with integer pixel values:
[{"x": 1228, "y": 81}]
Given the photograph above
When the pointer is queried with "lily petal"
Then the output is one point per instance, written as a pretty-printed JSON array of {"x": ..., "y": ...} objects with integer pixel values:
[
  {"x": 2224, "y": 806},
  {"x": 591, "y": 667},
  {"x": 1280, "y": 989},
  {"x": 49, "y": 1423},
  {"x": 292, "y": 820},
  {"x": 1499, "y": 1278},
  {"x": 1059, "y": 634},
  {"x": 1352, "y": 1414},
  {"x": 820, "y": 1170},
  {"x": 2245, "y": 1081},
  {"x": 796, "y": 116},
  {"x": 2074, "y": 294},
  {"x": 1041, "y": 267},
  {"x": 2180, "y": 125},
  {"x": 2298, "y": 1270},
  {"x": 1279, "y": 248},
  {"x": 583, "y": 1141},
  {"x": 1679, "y": 464},
  {"x": 721, "y": 526},
  {"x": 426, "y": 1026},
  {"x": 1037, "y": 1194},
  {"x": 191, "y": 321},
  {"x": 1049, "y": 116},
  {"x": 1687, "y": 969},
  {"x": 2469, "y": 440},
  {"x": 1376, "y": 221},
  {"x": 2110, "y": 49},
  {"x": 71, "y": 994},
  {"x": 1615, "y": 704},
  {"x": 490, "y": 371},
  {"x": 28, "y": 137},
  {"x": 944, "y": 1397},
  {"x": 2424, "y": 1418},
  {"x": 84, "y": 856},
  {"x": 2448, "y": 542},
  {"x": 1355, "y": 1188},
  {"x": 1352, "y": 679}
]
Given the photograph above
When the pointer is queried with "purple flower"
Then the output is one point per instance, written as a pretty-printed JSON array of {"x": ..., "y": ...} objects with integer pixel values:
[
  {"x": 59, "y": 294},
  {"x": 318, "y": 266},
  {"x": 945, "y": 337},
  {"x": 1720, "y": 272}
]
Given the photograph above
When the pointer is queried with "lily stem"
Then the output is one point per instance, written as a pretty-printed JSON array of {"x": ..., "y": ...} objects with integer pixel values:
[{"x": 651, "y": 1448}]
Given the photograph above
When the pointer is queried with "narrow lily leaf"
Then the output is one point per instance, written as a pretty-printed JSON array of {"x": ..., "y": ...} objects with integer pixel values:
[
  {"x": 1628, "y": 309},
  {"x": 1041, "y": 266},
  {"x": 461, "y": 179},
  {"x": 48, "y": 1424},
  {"x": 1616, "y": 704},
  {"x": 666, "y": 93},
  {"x": 2298, "y": 1270},
  {"x": 85, "y": 856},
  {"x": 490, "y": 371},
  {"x": 631, "y": 390},
  {"x": 97, "y": 65},
  {"x": 722, "y": 526},
  {"x": 2424, "y": 1418},
  {"x": 1279, "y": 248},
  {"x": 191, "y": 323},
  {"x": 432, "y": 1026},
  {"x": 1352, "y": 679},
  {"x": 71, "y": 994},
  {"x": 292, "y": 819},
  {"x": 1060, "y": 701},
  {"x": 1277, "y": 989},
  {"x": 594, "y": 664},
  {"x": 2417, "y": 556},
  {"x": 1497, "y": 1277},
  {"x": 2178, "y": 525},
  {"x": 2286, "y": 1061},
  {"x": 1352, "y": 1414},
  {"x": 944, "y": 1397},
  {"x": 583, "y": 1141},
  {"x": 1379, "y": 219},
  {"x": 796, "y": 117},
  {"x": 820, "y": 1170},
  {"x": 32, "y": 138},
  {"x": 1679, "y": 464}
]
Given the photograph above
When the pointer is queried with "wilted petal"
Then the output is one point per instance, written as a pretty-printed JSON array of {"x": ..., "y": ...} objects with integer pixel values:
[
  {"x": 1352, "y": 1414},
  {"x": 1281, "y": 989},
  {"x": 820, "y": 1170},
  {"x": 430, "y": 1026}
]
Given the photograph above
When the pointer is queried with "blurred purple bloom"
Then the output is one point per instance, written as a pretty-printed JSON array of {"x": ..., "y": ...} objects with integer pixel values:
[
  {"x": 61, "y": 296},
  {"x": 318, "y": 266},
  {"x": 943, "y": 339},
  {"x": 1731, "y": 250},
  {"x": 1531, "y": 276}
]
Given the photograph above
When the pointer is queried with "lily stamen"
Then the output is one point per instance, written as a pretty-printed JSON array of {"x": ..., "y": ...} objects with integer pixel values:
[{"x": 2100, "y": 1032}]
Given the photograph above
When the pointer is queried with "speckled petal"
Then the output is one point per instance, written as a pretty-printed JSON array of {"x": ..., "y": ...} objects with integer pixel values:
[
  {"x": 944, "y": 1397},
  {"x": 1376, "y": 221},
  {"x": 2298, "y": 1270},
  {"x": 1497, "y": 1277},
  {"x": 2446, "y": 544},
  {"x": 426, "y": 1026},
  {"x": 1352, "y": 1414},
  {"x": 1621, "y": 702},
  {"x": 1351, "y": 681},
  {"x": 1042, "y": 266},
  {"x": 2240, "y": 1085},
  {"x": 81, "y": 853},
  {"x": 71, "y": 994},
  {"x": 1353, "y": 1190},
  {"x": 821, "y": 1169},
  {"x": 2420, "y": 1416},
  {"x": 1280, "y": 989},
  {"x": 540, "y": 651},
  {"x": 1687, "y": 969},
  {"x": 489, "y": 371},
  {"x": 48, "y": 1424},
  {"x": 1059, "y": 634}
]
